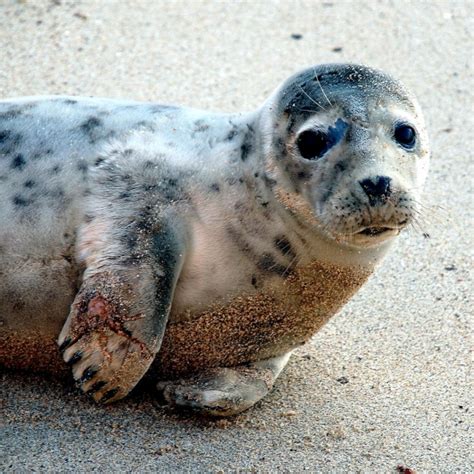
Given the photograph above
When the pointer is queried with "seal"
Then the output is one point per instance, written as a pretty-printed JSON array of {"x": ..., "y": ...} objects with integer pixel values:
[{"x": 196, "y": 247}]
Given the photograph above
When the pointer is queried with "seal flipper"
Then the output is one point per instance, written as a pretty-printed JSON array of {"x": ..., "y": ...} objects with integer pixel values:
[
  {"x": 224, "y": 391},
  {"x": 119, "y": 315}
]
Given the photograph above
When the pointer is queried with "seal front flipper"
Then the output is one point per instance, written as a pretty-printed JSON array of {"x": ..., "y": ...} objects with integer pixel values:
[
  {"x": 132, "y": 245},
  {"x": 118, "y": 318}
]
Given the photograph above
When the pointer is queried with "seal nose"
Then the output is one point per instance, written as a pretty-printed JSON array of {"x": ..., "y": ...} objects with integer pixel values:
[{"x": 377, "y": 189}]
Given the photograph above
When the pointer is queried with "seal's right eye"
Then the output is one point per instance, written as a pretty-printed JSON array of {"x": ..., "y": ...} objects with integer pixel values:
[{"x": 313, "y": 144}]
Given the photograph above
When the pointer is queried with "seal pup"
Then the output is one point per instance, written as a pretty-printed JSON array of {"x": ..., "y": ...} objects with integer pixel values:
[{"x": 201, "y": 248}]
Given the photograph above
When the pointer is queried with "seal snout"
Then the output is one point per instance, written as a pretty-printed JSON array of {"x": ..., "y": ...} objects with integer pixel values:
[{"x": 377, "y": 189}]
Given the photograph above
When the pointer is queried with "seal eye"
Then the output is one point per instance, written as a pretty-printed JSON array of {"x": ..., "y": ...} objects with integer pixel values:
[
  {"x": 312, "y": 144},
  {"x": 405, "y": 135}
]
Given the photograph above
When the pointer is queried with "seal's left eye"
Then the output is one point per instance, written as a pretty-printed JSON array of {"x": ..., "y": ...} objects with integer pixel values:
[
  {"x": 313, "y": 144},
  {"x": 405, "y": 135}
]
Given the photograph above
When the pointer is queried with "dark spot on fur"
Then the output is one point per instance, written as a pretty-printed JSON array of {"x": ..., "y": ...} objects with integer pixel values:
[
  {"x": 124, "y": 195},
  {"x": 90, "y": 126},
  {"x": 82, "y": 166},
  {"x": 340, "y": 166},
  {"x": 130, "y": 240},
  {"x": 70, "y": 101},
  {"x": 145, "y": 219},
  {"x": 126, "y": 178},
  {"x": 215, "y": 187},
  {"x": 10, "y": 142},
  {"x": 146, "y": 125},
  {"x": 233, "y": 180},
  {"x": 5, "y": 135},
  {"x": 284, "y": 246},
  {"x": 200, "y": 126},
  {"x": 291, "y": 119},
  {"x": 98, "y": 161},
  {"x": 254, "y": 281},
  {"x": 303, "y": 175},
  {"x": 21, "y": 201},
  {"x": 270, "y": 182},
  {"x": 268, "y": 264},
  {"x": 88, "y": 218},
  {"x": 247, "y": 144},
  {"x": 29, "y": 184},
  {"x": 241, "y": 243},
  {"x": 149, "y": 164},
  {"x": 158, "y": 109},
  {"x": 18, "y": 162},
  {"x": 280, "y": 148},
  {"x": 232, "y": 134},
  {"x": 12, "y": 113},
  {"x": 55, "y": 169}
]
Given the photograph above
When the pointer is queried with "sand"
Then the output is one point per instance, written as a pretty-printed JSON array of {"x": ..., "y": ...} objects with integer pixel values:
[{"x": 388, "y": 382}]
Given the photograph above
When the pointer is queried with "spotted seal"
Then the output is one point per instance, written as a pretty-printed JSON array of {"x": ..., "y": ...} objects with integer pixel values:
[{"x": 200, "y": 248}]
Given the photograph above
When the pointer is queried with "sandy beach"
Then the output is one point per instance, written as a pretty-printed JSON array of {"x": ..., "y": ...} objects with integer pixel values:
[{"x": 387, "y": 384}]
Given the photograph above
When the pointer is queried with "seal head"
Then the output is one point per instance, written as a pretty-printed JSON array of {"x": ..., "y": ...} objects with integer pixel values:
[{"x": 348, "y": 143}]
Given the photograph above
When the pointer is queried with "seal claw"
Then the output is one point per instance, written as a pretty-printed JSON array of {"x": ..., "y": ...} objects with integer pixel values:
[
  {"x": 87, "y": 375},
  {"x": 96, "y": 387},
  {"x": 65, "y": 344},
  {"x": 109, "y": 395},
  {"x": 76, "y": 357}
]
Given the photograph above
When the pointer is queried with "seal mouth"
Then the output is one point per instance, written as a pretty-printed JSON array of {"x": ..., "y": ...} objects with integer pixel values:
[
  {"x": 374, "y": 231},
  {"x": 373, "y": 235}
]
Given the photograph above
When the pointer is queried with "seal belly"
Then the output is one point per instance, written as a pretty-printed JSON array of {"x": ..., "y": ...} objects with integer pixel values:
[
  {"x": 34, "y": 303},
  {"x": 257, "y": 326}
]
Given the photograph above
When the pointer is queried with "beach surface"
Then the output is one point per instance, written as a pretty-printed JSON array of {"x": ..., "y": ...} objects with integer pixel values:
[{"x": 387, "y": 384}]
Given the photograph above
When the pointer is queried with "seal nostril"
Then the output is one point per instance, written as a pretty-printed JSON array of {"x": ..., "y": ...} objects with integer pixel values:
[{"x": 376, "y": 188}]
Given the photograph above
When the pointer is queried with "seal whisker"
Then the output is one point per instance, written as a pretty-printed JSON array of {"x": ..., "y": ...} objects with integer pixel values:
[
  {"x": 310, "y": 98},
  {"x": 320, "y": 86},
  {"x": 416, "y": 226}
]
